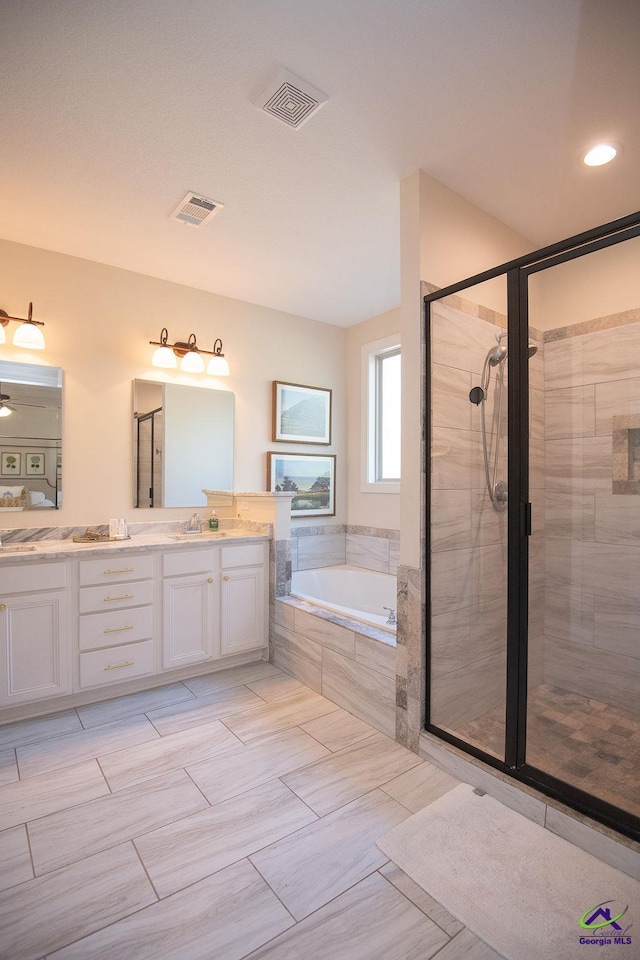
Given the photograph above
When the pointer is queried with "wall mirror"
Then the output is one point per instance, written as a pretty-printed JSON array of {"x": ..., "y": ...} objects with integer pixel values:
[
  {"x": 182, "y": 443},
  {"x": 30, "y": 437}
]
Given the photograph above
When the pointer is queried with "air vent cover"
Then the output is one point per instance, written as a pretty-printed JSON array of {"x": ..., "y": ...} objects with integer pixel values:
[
  {"x": 196, "y": 210},
  {"x": 290, "y": 99}
]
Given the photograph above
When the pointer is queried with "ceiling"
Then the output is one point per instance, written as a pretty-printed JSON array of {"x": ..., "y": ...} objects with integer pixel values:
[{"x": 111, "y": 111}]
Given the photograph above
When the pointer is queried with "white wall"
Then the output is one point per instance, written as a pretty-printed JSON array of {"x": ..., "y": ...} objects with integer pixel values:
[
  {"x": 99, "y": 320},
  {"x": 598, "y": 285},
  {"x": 444, "y": 238},
  {"x": 366, "y": 509}
]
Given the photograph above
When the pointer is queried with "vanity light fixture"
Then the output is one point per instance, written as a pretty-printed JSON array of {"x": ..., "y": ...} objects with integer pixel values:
[
  {"x": 190, "y": 354},
  {"x": 5, "y": 411},
  {"x": 218, "y": 366},
  {"x": 29, "y": 336}
]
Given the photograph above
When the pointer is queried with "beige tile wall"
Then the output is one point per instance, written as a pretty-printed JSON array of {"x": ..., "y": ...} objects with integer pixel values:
[{"x": 592, "y": 609}]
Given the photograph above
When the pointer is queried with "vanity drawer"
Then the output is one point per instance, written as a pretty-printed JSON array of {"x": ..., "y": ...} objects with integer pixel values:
[
  {"x": 118, "y": 663},
  {"x": 116, "y": 569},
  {"x": 31, "y": 577},
  {"x": 99, "y": 599},
  {"x": 245, "y": 555},
  {"x": 115, "y": 627},
  {"x": 188, "y": 561}
]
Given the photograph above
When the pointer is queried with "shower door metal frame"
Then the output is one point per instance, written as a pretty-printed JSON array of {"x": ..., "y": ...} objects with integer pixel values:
[{"x": 517, "y": 273}]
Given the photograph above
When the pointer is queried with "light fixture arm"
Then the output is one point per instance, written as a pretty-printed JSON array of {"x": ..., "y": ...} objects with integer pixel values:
[
  {"x": 4, "y": 318},
  {"x": 180, "y": 347}
]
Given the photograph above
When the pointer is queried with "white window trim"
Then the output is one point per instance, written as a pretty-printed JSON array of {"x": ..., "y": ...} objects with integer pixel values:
[{"x": 369, "y": 352}]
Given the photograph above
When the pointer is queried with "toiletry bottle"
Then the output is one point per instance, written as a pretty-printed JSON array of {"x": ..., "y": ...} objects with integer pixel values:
[{"x": 213, "y": 521}]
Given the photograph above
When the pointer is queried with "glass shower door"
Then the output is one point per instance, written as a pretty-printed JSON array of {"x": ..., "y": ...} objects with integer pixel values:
[
  {"x": 583, "y": 703},
  {"x": 468, "y": 518}
]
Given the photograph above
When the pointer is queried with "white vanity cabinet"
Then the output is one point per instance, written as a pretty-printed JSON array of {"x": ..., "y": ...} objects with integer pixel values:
[
  {"x": 34, "y": 632},
  {"x": 243, "y": 599},
  {"x": 190, "y": 607},
  {"x": 116, "y": 619},
  {"x": 76, "y": 624}
]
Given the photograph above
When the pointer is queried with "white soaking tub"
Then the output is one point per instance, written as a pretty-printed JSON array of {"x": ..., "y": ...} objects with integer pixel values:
[{"x": 350, "y": 592}]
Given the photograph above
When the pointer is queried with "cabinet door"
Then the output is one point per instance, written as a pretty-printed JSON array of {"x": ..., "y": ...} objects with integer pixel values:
[
  {"x": 243, "y": 610},
  {"x": 35, "y": 647},
  {"x": 189, "y": 619}
]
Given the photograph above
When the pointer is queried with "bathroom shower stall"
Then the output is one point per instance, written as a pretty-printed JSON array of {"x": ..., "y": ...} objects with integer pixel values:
[{"x": 533, "y": 519}]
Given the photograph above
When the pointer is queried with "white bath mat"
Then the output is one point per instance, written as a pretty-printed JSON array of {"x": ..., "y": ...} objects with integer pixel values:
[{"x": 517, "y": 886}]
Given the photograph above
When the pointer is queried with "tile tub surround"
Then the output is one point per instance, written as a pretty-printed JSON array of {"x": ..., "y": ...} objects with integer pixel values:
[
  {"x": 373, "y": 548},
  {"x": 267, "y": 850},
  {"x": 351, "y": 663}
]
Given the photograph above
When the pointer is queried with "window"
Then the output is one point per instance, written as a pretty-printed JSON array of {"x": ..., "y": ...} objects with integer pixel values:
[{"x": 381, "y": 382}]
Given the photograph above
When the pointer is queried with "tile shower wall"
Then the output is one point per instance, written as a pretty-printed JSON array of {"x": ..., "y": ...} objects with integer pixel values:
[
  {"x": 592, "y": 535},
  {"x": 468, "y": 537}
]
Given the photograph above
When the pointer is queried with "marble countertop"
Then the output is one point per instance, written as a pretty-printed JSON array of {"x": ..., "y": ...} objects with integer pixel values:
[{"x": 49, "y": 549}]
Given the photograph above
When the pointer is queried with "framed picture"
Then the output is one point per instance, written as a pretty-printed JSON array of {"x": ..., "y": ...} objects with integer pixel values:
[
  {"x": 311, "y": 477},
  {"x": 34, "y": 464},
  {"x": 301, "y": 414},
  {"x": 11, "y": 464}
]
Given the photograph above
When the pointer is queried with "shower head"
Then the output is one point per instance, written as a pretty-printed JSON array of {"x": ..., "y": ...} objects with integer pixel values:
[
  {"x": 499, "y": 352},
  {"x": 497, "y": 355}
]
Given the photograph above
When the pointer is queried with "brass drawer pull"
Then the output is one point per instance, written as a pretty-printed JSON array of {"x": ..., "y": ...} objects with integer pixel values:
[
  {"x": 125, "y": 596},
  {"x": 123, "y": 570},
  {"x": 3, "y": 606},
  {"x": 225, "y": 578},
  {"x": 117, "y": 629},
  {"x": 117, "y": 666},
  {"x": 210, "y": 580}
]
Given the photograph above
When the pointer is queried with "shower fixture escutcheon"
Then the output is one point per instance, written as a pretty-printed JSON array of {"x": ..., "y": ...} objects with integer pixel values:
[{"x": 500, "y": 495}]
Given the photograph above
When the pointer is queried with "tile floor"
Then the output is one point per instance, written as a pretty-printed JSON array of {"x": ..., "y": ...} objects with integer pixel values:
[
  {"x": 229, "y": 816},
  {"x": 587, "y": 743}
]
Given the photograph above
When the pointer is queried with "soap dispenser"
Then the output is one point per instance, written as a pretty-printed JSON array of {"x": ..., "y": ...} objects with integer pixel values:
[{"x": 213, "y": 521}]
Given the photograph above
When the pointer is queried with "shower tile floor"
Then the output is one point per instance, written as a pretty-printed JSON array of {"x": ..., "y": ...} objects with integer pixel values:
[{"x": 587, "y": 743}]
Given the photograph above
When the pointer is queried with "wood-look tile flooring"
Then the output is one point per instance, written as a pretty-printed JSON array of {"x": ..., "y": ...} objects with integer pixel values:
[
  {"x": 229, "y": 816},
  {"x": 586, "y": 743}
]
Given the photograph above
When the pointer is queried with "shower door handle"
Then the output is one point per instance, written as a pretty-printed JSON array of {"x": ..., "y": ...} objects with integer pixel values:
[{"x": 527, "y": 519}]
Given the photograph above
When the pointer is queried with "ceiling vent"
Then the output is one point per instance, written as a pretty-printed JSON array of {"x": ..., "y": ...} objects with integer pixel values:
[
  {"x": 290, "y": 99},
  {"x": 196, "y": 210}
]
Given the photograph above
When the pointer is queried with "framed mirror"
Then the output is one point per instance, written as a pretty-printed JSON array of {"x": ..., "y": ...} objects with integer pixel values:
[
  {"x": 182, "y": 443},
  {"x": 30, "y": 437}
]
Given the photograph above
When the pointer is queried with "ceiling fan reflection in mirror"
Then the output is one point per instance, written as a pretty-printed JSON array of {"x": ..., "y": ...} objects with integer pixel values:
[{"x": 7, "y": 407}]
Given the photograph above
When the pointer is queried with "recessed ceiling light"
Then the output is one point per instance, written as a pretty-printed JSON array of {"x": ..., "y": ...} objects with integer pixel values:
[{"x": 600, "y": 154}]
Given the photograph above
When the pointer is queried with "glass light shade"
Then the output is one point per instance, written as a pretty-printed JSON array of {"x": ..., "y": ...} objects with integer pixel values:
[
  {"x": 192, "y": 362},
  {"x": 164, "y": 357},
  {"x": 218, "y": 367},
  {"x": 600, "y": 154},
  {"x": 29, "y": 336},
  {"x": 3, "y": 336},
  {"x": 5, "y": 411}
]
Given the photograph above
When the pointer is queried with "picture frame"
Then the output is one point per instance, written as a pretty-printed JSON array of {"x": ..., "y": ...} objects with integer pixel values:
[
  {"x": 11, "y": 464},
  {"x": 311, "y": 476},
  {"x": 301, "y": 414},
  {"x": 34, "y": 464}
]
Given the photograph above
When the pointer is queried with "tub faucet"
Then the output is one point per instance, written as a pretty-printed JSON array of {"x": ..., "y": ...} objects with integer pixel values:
[{"x": 391, "y": 619}]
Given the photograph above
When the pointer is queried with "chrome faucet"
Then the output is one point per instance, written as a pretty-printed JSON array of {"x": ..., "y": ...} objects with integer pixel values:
[
  {"x": 193, "y": 525},
  {"x": 391, "y": 619}
]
